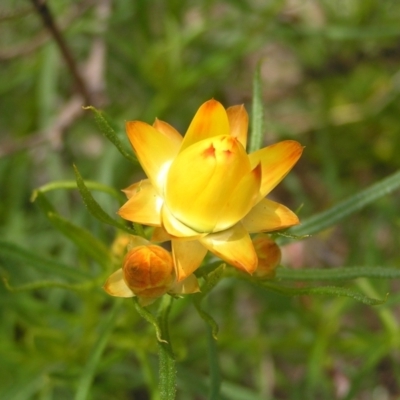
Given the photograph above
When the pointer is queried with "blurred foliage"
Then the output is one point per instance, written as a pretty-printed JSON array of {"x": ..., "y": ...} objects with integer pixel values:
[{"x": 330, "y": 71}]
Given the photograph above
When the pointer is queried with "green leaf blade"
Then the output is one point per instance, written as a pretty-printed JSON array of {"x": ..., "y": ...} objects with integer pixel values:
[
  {"x": 110, "y": 134},
  {"x": 321, "y": 290},
  {"x": 14, "y": 252},
  {"x": 94, "y": 207},
  {"x": 257, "y": 114},
  {"x": 343, "y": 209},
  {"x": 344, "y": 273}
]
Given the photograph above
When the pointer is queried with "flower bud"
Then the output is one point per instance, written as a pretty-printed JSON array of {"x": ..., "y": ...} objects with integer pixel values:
[
  {"x": 269, "y": 256},
  {"x": 148, "y": 271}
]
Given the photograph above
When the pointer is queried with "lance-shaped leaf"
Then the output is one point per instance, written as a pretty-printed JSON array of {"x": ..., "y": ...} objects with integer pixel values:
[
  {"x": 257, "y": 114},
  {"x": 343, "y": 209},
  {"x": 10, "y": 251},
  {"x": 320, "y": 290},
  {"x": 344, "y": 273},
  {"x": 47, "y": 284},
  {"x": 211, "y": 281},
  {"x": 149, "y": 317},
  {"x": 110, "y": 134},
  {"x": 94, "y": 207},
  {"x": 84, "y": 240}
]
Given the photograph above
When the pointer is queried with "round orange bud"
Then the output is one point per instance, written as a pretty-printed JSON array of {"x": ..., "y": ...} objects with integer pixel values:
[
  {"x": 269, "y": 256},
  {"x": 148, "y": 271}
]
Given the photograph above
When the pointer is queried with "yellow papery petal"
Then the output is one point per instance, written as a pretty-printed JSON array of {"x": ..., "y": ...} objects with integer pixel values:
[
  {"x": 116, "y": 286},
  {"x": 187, "y": 286},
  {"x": 201, "y": 180},
  {"x": 238, "y": 123},
  {"x": 144, "y": 204},
  {"x": 269, "y": 256},
  {"x": 154, "y": 150},
  {"x": 160, "y": 235},
  {"x": 234, "y": 246},
  {"x": 269, "y": 216},
  {"x": 188, "y": 256},
  {"x": 168, "y": 131},
  {"x": 276, "y": 160},
  {"x": 175, "y": 228},
  {"x": 241, "y": 201},
  {"x": 210, "y": 120},
  {"x": 131, "y": 189}
]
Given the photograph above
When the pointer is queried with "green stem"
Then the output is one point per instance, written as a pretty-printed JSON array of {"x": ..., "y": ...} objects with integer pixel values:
[
  {"x": 167, "y": 383},
  {"x": 215, "y": 375}
]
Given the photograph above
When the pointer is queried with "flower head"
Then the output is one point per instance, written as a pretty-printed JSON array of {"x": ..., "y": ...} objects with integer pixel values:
[
  {"x": 204, "y": 192},
  {"x": 148, "y": 272}
]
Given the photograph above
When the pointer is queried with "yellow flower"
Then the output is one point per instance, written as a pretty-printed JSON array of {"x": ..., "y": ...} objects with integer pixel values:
[
  {"x": 148, "y": 272},
  {"x": 204, "y": 192}
]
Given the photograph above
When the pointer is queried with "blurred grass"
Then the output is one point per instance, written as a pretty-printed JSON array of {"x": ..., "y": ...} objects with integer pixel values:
[{"x": 331, "y": 81}]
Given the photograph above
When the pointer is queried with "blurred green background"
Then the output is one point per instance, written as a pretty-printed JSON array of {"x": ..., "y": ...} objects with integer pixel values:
[{"x": 331, "y": 80}]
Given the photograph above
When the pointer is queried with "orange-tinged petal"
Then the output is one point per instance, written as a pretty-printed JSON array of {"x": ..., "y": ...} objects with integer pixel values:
[
  {"x": 238, "y": 123},
  {"x": 241, "y": 201},
  {"x": 160, "y": 235},
  {"x": 269, "y": 256},
  {"x": 131, "y": 189},
  {"x": 268, "y": 216},
  {"x": 210, "y": 120},
  {"x": 168, "y": 131},
  {"x": 116, "y": 286},
  {"x": 176, "y": 228},
  {"x": 144, "y": 204},
  {"x": 234, "y": 246},
  {"x": 276, "y": 160},
  {"x": 154, "y": 150},
  {"x": 188, "y": 256},
  {"x": 187, "y": 286},
  {"x": 202, "y": 178}
]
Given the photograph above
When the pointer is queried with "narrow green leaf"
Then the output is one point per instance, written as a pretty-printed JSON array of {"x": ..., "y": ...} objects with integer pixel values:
[
  {"x": 47, "y": 284},
  {"x": 257, "y": 113},
  {"x": 17, "y": 253},
  {"x": 83, "y": 239},
  {"x": 337, "y": 273},
  {"x": 320, "y": 290},
  {"x": 149, "y": 317},
  {"x": 89, "y": 370},
  {"x": 73, "y": 185},
  {"x": 343, "y": 209},
  {"x": 211, "y": 281},
  {"x": 110, "y": 134},
  {"x": 208, "y": 319},
  {"x": 94, "y": 207}
]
